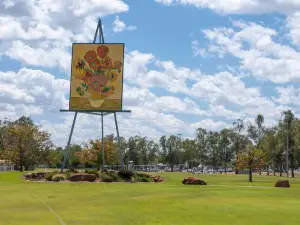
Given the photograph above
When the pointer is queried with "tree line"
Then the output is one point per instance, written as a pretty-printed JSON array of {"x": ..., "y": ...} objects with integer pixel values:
[{"x": 243, "y": 146}]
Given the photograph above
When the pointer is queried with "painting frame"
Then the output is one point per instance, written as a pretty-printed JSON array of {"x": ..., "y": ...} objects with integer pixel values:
[{"x": 122, "y": 84}]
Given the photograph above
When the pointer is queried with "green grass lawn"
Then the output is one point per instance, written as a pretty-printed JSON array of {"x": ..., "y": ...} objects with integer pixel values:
[{"x": 225, "y": 200}]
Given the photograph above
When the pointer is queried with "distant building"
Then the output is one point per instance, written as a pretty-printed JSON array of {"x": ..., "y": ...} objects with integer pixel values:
[{"x": 6, "y": 165}]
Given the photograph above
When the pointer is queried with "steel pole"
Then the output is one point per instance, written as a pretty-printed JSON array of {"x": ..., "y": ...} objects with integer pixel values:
[
  {"x": 119, "y": 144},
  {"x": 103, "y": 163},
  {"x": 68, "y": 144}
]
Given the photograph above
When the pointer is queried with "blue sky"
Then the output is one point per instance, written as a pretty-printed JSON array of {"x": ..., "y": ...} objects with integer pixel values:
[{"x": 188, "y": 64}]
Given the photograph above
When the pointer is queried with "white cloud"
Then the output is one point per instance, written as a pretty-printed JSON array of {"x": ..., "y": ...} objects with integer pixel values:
[
  {"x": 143, "y": 98},
  {"x": 119, "y": 26},
  {"x": 221, "y": 111},
  {"x": 46, "y": 28},
  {"x": 33, "y": 89},
  {"x": 226, "y": 89},
  {"x": 253, "y": 44},
  {"x": 293, "y": 24},
  {"x": 46, "y": 56},
  {"x": 288, "y": 96},
  {"x": 240, "y": 6},
  {"x": 222, "y": 91},
  {"x": 166, "y": 75}
]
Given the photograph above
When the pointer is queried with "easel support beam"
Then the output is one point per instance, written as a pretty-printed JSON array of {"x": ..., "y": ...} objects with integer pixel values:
[{"x": 68, "y": 144}]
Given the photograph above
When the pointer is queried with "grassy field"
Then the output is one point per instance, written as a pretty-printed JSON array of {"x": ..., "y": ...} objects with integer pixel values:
[{"x": 227, "y": 199}]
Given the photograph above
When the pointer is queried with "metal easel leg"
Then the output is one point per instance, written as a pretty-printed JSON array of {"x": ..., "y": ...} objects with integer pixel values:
[
  {"x": 119, "y": 144},
  {"x": 68, "y": 144},
  {"x": 103, "y": 163}
]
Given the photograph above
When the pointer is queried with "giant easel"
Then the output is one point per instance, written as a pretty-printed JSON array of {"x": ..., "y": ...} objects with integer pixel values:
[{"x": 101, "y": 113}]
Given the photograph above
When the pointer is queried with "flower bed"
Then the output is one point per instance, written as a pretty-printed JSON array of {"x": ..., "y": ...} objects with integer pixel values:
[{"x": 94, "y": 176}]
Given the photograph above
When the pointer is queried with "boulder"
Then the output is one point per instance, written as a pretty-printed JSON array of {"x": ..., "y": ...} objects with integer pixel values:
[
  {"x": 82, "y": 177},
  {"x": 193, "y": 181},
  {"x": 158, "y": 179},
  {"x": 282, "y": 183}
]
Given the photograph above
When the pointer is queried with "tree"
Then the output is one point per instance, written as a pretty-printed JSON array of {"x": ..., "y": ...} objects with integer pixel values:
[
  {"x": 256, "y": 132},
  {"x": 296, "y": 139},
  {"x": 153, "y": 149},
  {"x": 268, "y": 145},
  {"x": 201, "y": 146},
  {"x": 280, "y": 146},
  {"x": 132, "y": 153},
  {"x": 163, "y": 147},
  {"x": 288, "y": 118},
  {"x": 213, "y": 149},
  {"x": 143, "y": 150},
  {"x": 238, "y": 128},
  {"x": 73, "y": 160},
  {"x": 225, "y": 147},
  {"x": 91, "y": 155},
  {"x": 171, "y": 146},
  {"x": 25, "y": 144},
  {"x": 189, "y": 150},
  {"x": 251, "y": 158},
  {"x": 88, "y": 156}
]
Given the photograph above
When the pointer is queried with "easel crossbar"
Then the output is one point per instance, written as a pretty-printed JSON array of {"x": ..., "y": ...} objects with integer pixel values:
[{"x": 96, "y": 111}]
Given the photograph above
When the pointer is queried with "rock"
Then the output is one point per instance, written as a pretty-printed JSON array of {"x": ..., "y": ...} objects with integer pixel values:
[
  {"x": 193, "y": 181},
  {"x": 158, "y": 179},
  {"x": 282, "y": 183},
  {"x": 83, "y": 177}
]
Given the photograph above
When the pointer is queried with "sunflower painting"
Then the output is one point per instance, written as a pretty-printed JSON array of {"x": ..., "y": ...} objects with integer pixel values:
[{"x": 97, "y": 77}]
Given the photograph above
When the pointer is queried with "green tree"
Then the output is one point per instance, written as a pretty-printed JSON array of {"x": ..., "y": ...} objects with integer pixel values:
[
  {"x": 163, "y": 147},
  {"x": 288, "y": 118},
  {"x": 132, "y": 153},
  {"x": 213, "y": 149},
  {"x": 268, "y": 145},
  {"x": 25, "y": 144},
  {"x": 251, "y": 158},
  {"x": 189, "y": 150},
  {"x": 238, "y": 129},
  {"x": 201, "y": 146},
  {"x": 225, "y": 147},
  {"x": 256, "y": 132},
  {"x": 171, "y": 145},
  {"x": 153, "y": 149}
]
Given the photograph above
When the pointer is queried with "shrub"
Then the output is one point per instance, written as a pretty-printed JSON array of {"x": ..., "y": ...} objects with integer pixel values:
[
  {"x": 58, "y": 177},
  {"x": 126, "y": 174},
  {"x": 142, "y": 177},
  {"x": 50, "y": 175},
  {"x": 95, "y": 172},
  {"x": 110, "y": 176},
  {"x": 113, "y": 175},
  {"x": 68, "y": 174},
  {"x": 106, "y": 178}
]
